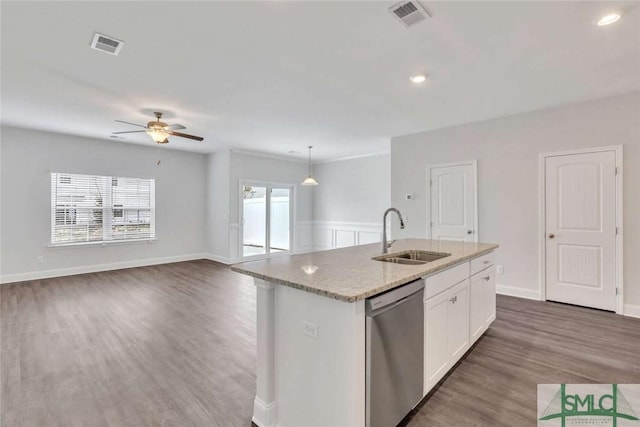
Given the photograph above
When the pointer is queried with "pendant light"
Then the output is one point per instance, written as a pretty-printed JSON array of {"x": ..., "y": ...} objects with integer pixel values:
[{"x": 310, "y": 180}]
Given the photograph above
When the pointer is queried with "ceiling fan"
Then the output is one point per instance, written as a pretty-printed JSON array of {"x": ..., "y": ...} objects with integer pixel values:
[{"x": 159, "y": 131}]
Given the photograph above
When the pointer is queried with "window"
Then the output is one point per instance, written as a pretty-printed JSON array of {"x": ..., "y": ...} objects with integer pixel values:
[{"x": 89, "y": 208}]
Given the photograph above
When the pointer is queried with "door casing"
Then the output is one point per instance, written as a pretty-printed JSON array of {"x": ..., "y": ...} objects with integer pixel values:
[
  {"x": 542, "y": 226},
  {"x": 474, "y": 165}
]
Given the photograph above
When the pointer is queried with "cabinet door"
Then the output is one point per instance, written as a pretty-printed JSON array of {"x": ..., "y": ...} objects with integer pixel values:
[
  {"x": 458, "y": 321},
  {"x": 436, "y": 354},
  {"x": 489, "y": 279},
  {"x": 477, "y": 302}
]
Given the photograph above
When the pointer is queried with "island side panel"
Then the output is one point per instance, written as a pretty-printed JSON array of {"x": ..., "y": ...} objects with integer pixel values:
[
  {"x": 264, "y": 405},
  {"x": 320, "y": 360}
]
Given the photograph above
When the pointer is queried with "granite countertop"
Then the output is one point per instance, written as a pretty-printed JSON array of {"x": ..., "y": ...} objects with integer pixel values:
[{"x": 350, "y": 274}]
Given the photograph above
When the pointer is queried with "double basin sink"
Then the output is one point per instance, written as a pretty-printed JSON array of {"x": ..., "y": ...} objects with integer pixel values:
[{"x": 412, "y": 257}]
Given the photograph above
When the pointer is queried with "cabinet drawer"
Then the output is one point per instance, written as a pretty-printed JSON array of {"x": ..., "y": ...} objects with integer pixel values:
[
  {"x": 443, "y": 280},
  {"x": 482, "y": 262}
]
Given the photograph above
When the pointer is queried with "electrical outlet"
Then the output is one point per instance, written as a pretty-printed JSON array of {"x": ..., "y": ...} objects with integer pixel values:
[
  {"x": 500, "y": 270},
  {"x": 40, "y": 260},
  {"x": 310, "y": 329}
]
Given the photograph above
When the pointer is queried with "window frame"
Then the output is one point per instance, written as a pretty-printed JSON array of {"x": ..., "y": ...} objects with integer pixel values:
[{"x": 108, "y": 214}]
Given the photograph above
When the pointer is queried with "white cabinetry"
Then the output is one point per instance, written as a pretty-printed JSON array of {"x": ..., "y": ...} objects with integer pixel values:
[
  {"x": 460, "y": 304},
  {"x": 446, "y": 331},
  {"x": 482, "y": 302}
]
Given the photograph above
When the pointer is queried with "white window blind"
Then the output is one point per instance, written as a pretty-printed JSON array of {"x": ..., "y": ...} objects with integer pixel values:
[{"x": 90, "y": 208}]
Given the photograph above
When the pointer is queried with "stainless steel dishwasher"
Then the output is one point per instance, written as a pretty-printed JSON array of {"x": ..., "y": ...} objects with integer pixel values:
[{"x": 395, "y": 347}]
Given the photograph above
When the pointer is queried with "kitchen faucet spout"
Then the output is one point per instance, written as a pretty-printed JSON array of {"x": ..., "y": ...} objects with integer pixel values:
[{"x": 385, "y": 246}]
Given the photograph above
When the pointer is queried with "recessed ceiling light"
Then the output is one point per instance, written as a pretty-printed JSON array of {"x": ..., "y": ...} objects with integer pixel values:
[
  {"x": 418, "y": 78},
  {"x": 608, "y": 19},
  {"x": 294, "y": 152}
]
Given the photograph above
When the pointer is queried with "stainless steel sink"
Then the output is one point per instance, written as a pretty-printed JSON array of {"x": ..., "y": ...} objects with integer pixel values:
[{"x": 412, "y": 257}]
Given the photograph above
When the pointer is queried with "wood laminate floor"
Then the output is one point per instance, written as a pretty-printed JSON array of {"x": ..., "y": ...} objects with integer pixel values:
[{"x": 174, "y": 345}]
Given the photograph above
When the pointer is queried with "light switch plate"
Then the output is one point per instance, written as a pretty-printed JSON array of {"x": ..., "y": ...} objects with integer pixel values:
[{"x": 500, "y": 270}]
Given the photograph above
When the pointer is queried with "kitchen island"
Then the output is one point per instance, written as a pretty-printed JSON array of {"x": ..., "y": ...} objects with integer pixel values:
[{"x": 311, "y": 335}]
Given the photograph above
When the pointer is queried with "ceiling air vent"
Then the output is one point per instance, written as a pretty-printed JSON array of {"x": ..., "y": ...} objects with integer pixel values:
[
  {"x": 106, "y": 44},
  {"x": 409, "y": 13}
]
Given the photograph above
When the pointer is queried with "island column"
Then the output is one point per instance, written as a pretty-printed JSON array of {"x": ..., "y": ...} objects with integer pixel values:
[{"x": 264, "y": 405}]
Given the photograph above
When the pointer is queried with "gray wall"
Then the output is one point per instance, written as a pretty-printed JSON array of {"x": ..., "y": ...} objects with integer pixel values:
[
  {"x": 28, "y": 158},
  {"x": 225, "y": 170},
  {"x": 250, "y": 167},
  {"x": 354, "y": 190},
  {"x": 218, "y": 164},
  {"x": 507, "y": 150}
]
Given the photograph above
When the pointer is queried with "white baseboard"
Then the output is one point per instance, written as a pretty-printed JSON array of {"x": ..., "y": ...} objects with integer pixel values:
[
  {"x": 264, "y": 415},
  {"x": 45, "y": 274},
  {"x": 632, "y": 310},
  {"x": 518, "y": 292},
  {"x": 221, "y": 259}
]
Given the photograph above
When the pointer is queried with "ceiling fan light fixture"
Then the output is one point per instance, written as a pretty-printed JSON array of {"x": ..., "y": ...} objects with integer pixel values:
[
  {"x": 418, "y": 78},
  {"x": 310, "y": 180},
  {"x": 159, "y": 135},
  {"x": 608, "y": 19}
]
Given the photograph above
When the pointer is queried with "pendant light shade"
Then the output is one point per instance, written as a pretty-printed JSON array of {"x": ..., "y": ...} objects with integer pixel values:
[{"x": 310, "y": 180}]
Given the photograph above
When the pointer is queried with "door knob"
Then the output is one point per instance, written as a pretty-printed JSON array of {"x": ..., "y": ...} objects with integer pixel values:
[
  {"x": 551, "y": 235},
  {"x": 469, "y": 231}
]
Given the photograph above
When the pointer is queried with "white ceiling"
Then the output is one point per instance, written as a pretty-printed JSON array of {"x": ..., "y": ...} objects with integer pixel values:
[{"x": 278, "y": 76}]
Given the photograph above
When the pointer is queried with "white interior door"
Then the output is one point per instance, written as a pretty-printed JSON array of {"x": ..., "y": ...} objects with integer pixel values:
[
  {"x": 453, "y": 203},
  {"x": 580, "y": 202}
]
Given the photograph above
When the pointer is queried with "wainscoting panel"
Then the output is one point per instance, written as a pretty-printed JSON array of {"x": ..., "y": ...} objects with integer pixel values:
[
  {"x": 323, "y": 237},
  {"x": 330, "y": 235},
  {"x": 304, "y": 236},
  {"x": 345, "y": 238},
  {"x": 366, "y": 237}
]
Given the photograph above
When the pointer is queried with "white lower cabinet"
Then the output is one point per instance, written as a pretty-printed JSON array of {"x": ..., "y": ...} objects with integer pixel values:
[
  {"x": 482, "y": 302},
  {"x": 460, "y": 304},
  {"x": 446, "y": 332}
]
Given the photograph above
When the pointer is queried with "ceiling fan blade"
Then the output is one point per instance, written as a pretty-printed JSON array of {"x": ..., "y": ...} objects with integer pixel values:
[
  {"x": 184, "y": 135},
  {"x": 129, "y": 123},
  {"x": 129, "y": 131},
  {"x": 175, "y": 127}
]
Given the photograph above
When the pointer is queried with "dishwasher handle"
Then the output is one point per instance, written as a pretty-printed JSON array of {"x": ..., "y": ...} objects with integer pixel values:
[
  {"x": 379, "y": 311},
  {"x": 392, "y": 298}
]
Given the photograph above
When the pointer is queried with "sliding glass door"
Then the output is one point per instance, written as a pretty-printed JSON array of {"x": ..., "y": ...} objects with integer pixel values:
[{"x": 266, "y": 219}]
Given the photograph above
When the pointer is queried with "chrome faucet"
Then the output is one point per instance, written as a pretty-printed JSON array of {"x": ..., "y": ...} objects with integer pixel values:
[{"x": 385, "y": 246}]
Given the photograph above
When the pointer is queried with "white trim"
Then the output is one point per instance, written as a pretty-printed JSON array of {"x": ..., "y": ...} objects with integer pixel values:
[
  {"x": 99, "y": 243},
  {"x": 632, "y": 310},
  {"x": 474, "y": 164},
  {"x": 45, "y": 274},
  {"x": 326, "y": 233},
  {"x": 269, "y": 156},
  {"x": 341, "y": 224},
  {"x": 518, "y": 292},
  {"x": 305, "y": 161},
  {"x": 263, "y": 415},
  {"x": 357, "y": 156},
  {"x": 220, "y": 259},
  {"x": 620, "y": 307}
]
